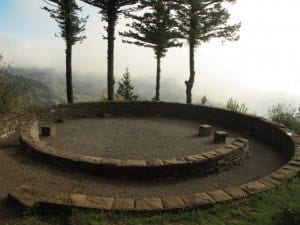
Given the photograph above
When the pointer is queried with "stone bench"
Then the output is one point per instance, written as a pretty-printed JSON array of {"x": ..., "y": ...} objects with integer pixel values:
[
  {"x": 220, "y": 136},
  {"x": 205, "y": 130},
  {"x": 48, "y": 130}
]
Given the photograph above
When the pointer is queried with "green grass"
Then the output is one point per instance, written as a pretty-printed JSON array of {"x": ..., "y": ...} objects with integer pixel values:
[{"x": 277, "y": 207}]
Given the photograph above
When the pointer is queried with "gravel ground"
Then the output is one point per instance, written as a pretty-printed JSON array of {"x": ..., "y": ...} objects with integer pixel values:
[
  {"x": 131, "y": 138},
  {"x": 16, "y": 169}
]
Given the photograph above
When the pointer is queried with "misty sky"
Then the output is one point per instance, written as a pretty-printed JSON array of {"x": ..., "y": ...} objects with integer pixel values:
[{"x": 261, "y": 69}]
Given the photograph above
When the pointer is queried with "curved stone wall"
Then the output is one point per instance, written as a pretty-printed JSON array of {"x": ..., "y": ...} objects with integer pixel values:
[
  {"x": 282, "y": 139},
  {"x": 201, "y": 164},
  {"x": 256, "y": 126}
]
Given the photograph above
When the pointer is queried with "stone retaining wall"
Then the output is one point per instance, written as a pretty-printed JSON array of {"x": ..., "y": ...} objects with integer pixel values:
[
  {"x": 282, "y": 139},
  {"x": 28, "y": 197},
  {"x": 256, "y": 126},
  {"x": 203, "y": 164}
]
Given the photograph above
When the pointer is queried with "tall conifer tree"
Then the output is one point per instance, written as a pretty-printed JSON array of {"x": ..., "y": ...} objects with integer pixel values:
[
  {"x": 65, "y": 13},
  {"x": 156, "y": 28},
  {"x": 200, "y": 21},
  {"x": 110, "y": 10}
]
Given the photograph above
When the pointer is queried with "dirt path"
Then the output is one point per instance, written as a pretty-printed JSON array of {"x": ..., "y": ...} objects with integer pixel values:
[{"x": 16, "y": 169}]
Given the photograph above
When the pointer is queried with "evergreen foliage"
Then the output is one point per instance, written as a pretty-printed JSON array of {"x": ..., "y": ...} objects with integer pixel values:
[
  {"x": 200, "y": 21},
  {"x": 204, "y": 100},
  {"x": 126, "y": 87},
  {"x": 110, "y": 10},
  {"x": 65, "y": 13},
  {"x": 154, "y": 28}
]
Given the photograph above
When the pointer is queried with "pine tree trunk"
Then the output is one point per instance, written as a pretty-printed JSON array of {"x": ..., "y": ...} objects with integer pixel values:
[
  {"x": 189, "y": 84},
  {"x": 68, "y": 54},
  {"x": 69, "y": 73},
  {"x": 110, "y": 59},
  {"x": 158, "y": 58}
]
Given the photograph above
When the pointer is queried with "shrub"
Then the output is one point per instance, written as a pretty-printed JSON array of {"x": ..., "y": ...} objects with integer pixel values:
[
  {"x": 285, "y": 115},
  {"x": 233, "y": 105},
  {"x": 11, "y": 97},
  {"x": 104, "y": 98},
  {"x": 289, "y": 215}
]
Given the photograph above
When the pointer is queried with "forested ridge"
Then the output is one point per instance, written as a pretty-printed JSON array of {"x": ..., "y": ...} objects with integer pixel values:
[{"x": 48, "y": 86}]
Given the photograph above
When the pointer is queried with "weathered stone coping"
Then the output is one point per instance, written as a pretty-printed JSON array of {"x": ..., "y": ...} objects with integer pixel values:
[
  {"x": 258, "y": 127},
  {"x": 233, "y": 151},
  {"x": 28, "y": 197},
  {"x": 282, "y": 139}
]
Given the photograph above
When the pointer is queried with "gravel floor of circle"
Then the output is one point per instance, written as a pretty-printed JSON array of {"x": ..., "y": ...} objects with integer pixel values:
[{"x": 131, "y": 138}]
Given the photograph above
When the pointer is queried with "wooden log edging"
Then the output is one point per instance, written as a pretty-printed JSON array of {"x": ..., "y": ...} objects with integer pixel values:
[{"x": 235, "y": 150}]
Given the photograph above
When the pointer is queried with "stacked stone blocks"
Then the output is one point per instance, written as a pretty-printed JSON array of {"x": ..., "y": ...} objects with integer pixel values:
[
  {"x": 289, "y": 147},
  {"x": 200, "y": 164}
]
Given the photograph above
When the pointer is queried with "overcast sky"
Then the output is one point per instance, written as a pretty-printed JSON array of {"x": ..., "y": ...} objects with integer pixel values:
[{"x": 261, "y": 69}]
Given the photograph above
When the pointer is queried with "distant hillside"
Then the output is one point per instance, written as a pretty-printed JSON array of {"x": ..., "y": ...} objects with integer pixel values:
[
  {"x": 54, "y": 82},
  {"x": 35, "y": 93},
  {"x": 89, "y": 88}
]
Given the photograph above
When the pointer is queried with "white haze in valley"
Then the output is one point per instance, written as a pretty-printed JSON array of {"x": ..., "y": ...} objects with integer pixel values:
[{"x": 261, "y": 69}]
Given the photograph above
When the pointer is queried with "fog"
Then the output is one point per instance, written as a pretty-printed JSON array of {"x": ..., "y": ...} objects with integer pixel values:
[{"x": 261, "y": 69}]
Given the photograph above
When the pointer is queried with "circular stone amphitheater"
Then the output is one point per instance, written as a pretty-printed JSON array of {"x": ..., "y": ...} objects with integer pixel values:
[{"x": 141, "y": 156}]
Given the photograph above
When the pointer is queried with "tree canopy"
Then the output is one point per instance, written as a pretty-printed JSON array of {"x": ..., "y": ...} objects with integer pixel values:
[
  {"x": 199, "y": 21},
  {"x": 202, "y": 20},
  {"x": 154, "y": 28},
  {"x": 65, "y": 13},
  {"x": 110, "y": 11}
]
